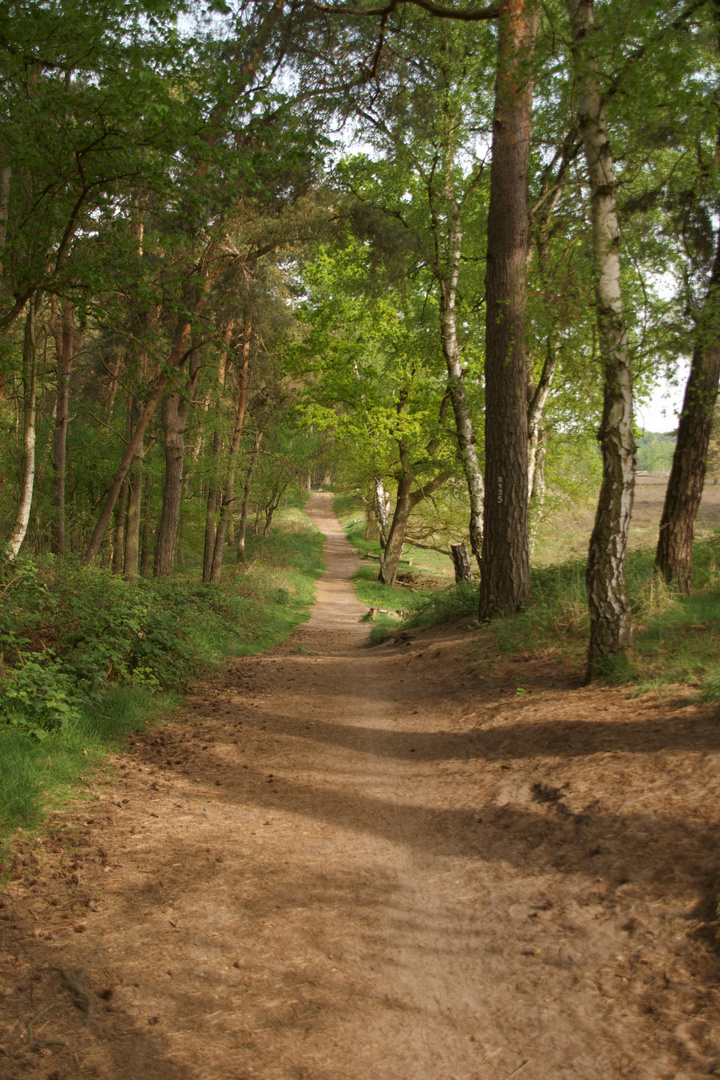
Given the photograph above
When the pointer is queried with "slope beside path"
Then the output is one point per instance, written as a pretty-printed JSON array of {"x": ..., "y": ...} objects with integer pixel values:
[{"x": 342, "y": 862}]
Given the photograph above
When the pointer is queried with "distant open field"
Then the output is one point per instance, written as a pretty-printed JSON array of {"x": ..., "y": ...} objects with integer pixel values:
[{"x": 565, "y": 533}]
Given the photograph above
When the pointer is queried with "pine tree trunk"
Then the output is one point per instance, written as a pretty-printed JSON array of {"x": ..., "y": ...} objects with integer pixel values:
[
  {"x": 5, "y": 180},
  {"x": 174, "y": 418},
  {"x": 213, "y": 497},
  {"x": 229, "y": 493},
  {"x": 610, "y": 613},
  {"x": 146, "y": 559},
  {"x": 27, "y": 480},
  {"x": 174, "y": 364},
  {"x": 505, "y": 581},
  {"x": 673, "y": 557}
]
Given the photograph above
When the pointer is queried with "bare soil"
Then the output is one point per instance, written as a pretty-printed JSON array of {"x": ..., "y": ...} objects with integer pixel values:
[{"x": 341, "y": 862}]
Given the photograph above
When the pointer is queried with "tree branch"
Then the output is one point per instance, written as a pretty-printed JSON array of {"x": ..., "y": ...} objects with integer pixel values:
[{"x": 439, "y": 10}]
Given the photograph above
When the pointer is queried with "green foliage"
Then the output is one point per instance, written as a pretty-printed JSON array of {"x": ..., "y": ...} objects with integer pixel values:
[
  {"x": 90, "y": 656},
  {"x": 655, "y": 452}
]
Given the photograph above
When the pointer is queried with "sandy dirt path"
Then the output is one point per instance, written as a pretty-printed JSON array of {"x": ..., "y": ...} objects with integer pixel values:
[{"x": 342, "y": 863}]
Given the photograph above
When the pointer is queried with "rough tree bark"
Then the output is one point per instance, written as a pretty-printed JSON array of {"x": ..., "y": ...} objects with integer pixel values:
[
  {"x": 147, "y": 520},
  {"x": 118, "y": 555},
  {"x": 229, "y": 493},
  {"x": 27, "y": 477},
  {"x": 610, "y": 614},
  {"x": 131, "y": 561},
  {"x": 673, "y": 557},
  {"x": 175, "y": 410},
  {"x": 67, "y": 341},
  {"x": 505, "y": 581},
  {"x": 214, "y": 489}
]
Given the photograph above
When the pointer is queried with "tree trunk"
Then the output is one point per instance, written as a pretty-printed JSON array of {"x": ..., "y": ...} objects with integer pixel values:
[
  {"x": 610, "y": 614},
  {"x": 381, "y": 509},
  {"x": 505, "y": 582},
  {"x": 242, "y": 527},
  {"x": 131, "y": 562},
  {"x": 175, "y": 411},
  {"x": 174, "y": 420},
  {"x": 67, "y": 341},
  {"x": 673, "y": 557},
  {"x": 27, "y": 480},
  {"x": 461, "y": 410},
  {"x": 539, "y": 487},
  {"x": 229, "y": 493},
  {"x": 147, "y": 525},
  {"x": 538, "y": 396},
  {"x": 404, "y": 505},
  {"x": 272, "y": 507},
  {"x": 461, "y": 562},
  {"x": 213, "y": 497},
  {"x": 174, "y": 364},
  {"x": 5, "y": 179},
  {"x": 390, "y": 558},
  {"x": 118, "y": 556}
]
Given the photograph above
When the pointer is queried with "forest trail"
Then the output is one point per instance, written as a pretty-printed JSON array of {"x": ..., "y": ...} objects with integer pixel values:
[{"x": 343, "y": 863}]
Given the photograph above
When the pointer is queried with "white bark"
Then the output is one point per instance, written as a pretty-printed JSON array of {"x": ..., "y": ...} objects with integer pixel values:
[
  {"x": 27, "y": 482},
  {"x": 610, "y": 614}
]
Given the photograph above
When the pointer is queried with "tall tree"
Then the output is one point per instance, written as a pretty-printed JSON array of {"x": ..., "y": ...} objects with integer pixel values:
[
  {"x": 610, "y": 612},
  {"x": 505, "y": 581}
]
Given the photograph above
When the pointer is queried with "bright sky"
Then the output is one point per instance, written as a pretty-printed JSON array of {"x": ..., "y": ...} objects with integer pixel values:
[{"x": 660, "y": 414}]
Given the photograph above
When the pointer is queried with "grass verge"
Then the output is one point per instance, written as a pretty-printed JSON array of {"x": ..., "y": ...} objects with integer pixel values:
[
  {"x": 677, "y": 638},
  {"x": 89, "y": 657}
]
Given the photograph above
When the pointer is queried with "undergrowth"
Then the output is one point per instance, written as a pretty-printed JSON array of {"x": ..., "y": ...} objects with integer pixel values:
[
  {"x": 676, "y": 637},
  {"x": 88, "y": 656}
]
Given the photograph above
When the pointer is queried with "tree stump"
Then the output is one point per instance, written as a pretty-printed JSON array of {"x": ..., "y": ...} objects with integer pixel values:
[{"x": 461, "y": 562}]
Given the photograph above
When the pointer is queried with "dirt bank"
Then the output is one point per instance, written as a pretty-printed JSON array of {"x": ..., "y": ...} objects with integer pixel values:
[{"x": 341, "y": 862}]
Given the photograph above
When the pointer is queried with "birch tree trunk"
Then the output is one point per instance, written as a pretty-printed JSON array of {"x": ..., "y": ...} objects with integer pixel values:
[
  {"x": 610, "y": 614},
  {"x": 242, "y": 527},
  {"x": 505, "y": 581},
  {"x": 461, "y": 410},
  {"x": 381, "y": 510},
  {"x": 27, "y": 479}
]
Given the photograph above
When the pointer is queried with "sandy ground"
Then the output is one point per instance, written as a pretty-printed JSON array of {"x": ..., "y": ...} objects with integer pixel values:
[{"x": 340, "y": 863}]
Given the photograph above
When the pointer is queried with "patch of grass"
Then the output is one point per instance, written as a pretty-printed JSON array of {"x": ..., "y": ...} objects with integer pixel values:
[
  {"x": 444, "y": 605},
  {"x": 90, "y": 656},
  {"x": 711, "y": 686},
  {"x": 36, "y": 776}
]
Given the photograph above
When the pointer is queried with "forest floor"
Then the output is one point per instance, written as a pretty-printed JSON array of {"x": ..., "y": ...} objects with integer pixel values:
[{"x": 338, "y": 863}]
